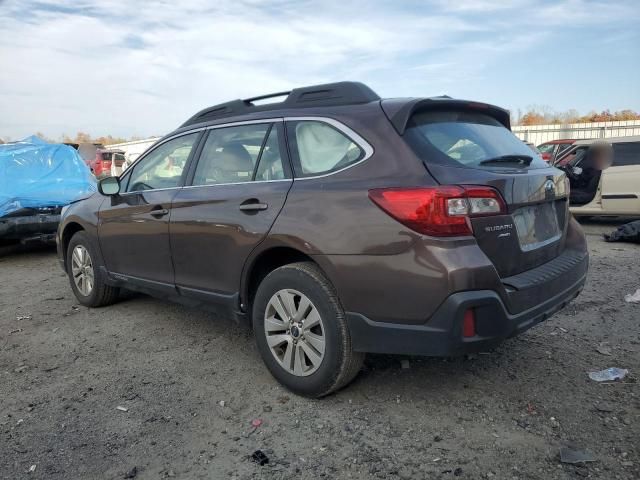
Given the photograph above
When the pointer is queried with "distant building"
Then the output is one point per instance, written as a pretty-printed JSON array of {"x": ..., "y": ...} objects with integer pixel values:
[{"x": 133, "y": 150}]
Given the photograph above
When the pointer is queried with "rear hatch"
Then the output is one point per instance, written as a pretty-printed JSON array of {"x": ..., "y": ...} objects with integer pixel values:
[{"x": 472, "y": 145}]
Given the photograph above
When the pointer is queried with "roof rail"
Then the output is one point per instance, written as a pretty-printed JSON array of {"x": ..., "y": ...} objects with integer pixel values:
[{"x": 329, "y": 94}]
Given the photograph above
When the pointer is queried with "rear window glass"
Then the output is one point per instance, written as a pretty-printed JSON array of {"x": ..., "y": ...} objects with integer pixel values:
[{"x": 467, "y": 139}]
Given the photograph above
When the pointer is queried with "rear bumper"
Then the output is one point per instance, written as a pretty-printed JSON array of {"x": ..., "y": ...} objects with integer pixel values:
[
  {"x": 442, "y": 335},
  {"x": 30, "y": 227}
]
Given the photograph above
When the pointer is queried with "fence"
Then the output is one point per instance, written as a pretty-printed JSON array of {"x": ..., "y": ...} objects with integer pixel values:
[{"x": 538, "y": 134}]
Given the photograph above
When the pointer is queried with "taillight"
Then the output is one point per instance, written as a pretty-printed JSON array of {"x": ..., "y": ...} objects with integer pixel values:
[{"x": 439, "y": 211}]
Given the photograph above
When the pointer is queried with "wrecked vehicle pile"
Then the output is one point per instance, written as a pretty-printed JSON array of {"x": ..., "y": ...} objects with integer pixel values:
[{"x": 37, "y": 179}]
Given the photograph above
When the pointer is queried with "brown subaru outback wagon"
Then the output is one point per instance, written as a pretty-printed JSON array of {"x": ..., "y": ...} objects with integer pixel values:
[{"x": 338, "y": 223}]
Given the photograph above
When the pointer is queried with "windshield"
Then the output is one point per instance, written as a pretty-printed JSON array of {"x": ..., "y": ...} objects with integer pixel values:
[
  {"x": 546, "y": 148},
  {"x": 467, "y": 139}
]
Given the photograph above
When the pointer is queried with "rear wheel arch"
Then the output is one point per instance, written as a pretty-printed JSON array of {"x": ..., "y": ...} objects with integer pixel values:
[{"x": 263, "y": 264}]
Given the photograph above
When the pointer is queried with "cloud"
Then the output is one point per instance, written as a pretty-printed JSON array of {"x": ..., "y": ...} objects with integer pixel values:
[{"x": 116, "y": 67}]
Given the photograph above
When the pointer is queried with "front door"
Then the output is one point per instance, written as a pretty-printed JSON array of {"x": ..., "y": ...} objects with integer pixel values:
[
  {"x": 133, "y": 227},
  {"x": 238, "y": 187}
]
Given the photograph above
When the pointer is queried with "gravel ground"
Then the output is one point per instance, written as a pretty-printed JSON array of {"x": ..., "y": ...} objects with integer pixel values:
[{"x": 148, "y": 389}]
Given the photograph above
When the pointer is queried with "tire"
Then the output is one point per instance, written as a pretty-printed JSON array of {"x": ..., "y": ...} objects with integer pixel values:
[
  {"x": 99, "y": 294},
  {"x": 300, "y": 370}
]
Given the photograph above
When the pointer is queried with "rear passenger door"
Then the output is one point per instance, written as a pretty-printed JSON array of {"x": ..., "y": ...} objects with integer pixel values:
[
  {"x": 234, "y": 193},
  {"x": 621, "y": 182}
]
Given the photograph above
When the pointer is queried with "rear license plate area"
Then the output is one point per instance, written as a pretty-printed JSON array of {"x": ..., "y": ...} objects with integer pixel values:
[{"x": 537, "y": 225}]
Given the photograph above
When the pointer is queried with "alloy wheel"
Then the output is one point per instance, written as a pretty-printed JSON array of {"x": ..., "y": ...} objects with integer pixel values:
[
  {"x": 82, "y": 270},
  {"x": 295, "y": 332}
]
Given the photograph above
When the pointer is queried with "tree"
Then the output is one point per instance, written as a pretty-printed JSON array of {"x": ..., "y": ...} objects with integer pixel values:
[
  {"x": 544, "y": 115},
  {"x": 42, "y": 136},
  {"x": 532, "y": 118}
]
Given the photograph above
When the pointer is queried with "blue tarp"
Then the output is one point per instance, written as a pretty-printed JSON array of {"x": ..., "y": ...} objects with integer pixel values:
[{"x": 34, "y": 173}]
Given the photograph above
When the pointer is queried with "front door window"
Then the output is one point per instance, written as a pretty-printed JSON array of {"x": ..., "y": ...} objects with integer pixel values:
[{"x": 164, "y": 166}]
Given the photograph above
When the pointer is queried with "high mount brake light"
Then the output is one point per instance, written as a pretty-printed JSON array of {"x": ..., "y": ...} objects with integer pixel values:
[{"x": 442, "y": 211}]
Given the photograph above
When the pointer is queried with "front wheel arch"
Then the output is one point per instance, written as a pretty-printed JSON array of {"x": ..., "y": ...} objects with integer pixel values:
[{"x": 67, "y": 234}]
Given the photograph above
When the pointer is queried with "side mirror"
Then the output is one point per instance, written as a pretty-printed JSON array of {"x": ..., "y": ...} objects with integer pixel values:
[{"x": 109, "y": 186}]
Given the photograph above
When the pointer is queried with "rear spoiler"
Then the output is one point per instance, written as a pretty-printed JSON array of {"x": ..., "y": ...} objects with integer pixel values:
[{"x": 400, "y": 110}]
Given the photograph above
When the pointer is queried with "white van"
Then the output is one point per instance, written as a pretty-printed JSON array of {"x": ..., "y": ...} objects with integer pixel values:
[{"x": 618, "y": 191}]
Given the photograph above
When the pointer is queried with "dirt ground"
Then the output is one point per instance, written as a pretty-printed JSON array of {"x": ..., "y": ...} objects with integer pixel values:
[{"x": 192, "y": 383}]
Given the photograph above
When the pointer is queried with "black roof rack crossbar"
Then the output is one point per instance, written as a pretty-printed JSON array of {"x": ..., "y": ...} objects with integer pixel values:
[
  {"x": 330, "y": 94},
  {"x": 269, "y": 95}
]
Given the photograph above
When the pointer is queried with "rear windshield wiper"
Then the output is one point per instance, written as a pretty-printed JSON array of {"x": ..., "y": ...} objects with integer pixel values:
[{"x": 516, "y": 158}]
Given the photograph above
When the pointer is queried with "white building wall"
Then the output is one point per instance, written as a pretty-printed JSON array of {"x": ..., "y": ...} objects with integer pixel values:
[
  {"x": 133, "y": 150},
  {"x": 538, "y": 134}
]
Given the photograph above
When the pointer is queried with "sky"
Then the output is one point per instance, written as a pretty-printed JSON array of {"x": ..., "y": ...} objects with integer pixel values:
[{"x": 133, "y": 68}]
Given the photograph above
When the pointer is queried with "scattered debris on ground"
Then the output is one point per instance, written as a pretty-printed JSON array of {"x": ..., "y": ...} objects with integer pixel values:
[
  {"x": 573, "y": 456},
  {"x": 633, "y": 298},
  {"x": 64, "y": 375},
  {"x": 629, "y": 232},
  {"x": 603, "y": 349},
  {"x": 133, "y": 473},
  {"x": 260, "y": 458},
  {"x": 609, "y": 374}
]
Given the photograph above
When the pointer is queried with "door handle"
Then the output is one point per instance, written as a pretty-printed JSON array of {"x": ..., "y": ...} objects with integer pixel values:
[
  {"x": 252, "y": 205},
  {"x": 161, "y": 212},
  {"x": 249, "y": 207}
]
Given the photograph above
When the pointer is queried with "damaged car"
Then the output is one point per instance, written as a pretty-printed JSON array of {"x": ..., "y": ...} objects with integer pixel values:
[
  {"x": 37, "y": 179},
  {"x": 338, "y": 223}
]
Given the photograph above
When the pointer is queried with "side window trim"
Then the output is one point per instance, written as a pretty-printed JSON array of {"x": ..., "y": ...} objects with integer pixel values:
[
  {"x": 342, "y": 128},
  {"x": 193, "y": 161},
  {"x": 264, "y": 142},
  {"x": 284, "y": 143},
  {"x": 283, "y": 147}
]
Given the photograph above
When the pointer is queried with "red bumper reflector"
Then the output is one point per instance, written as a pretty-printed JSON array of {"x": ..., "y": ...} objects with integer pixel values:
[{"x": 469, "y": 324}]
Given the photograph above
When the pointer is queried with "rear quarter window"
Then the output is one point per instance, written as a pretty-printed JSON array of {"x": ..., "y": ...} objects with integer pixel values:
[
  {"x": 319, "y": 148},
  {"x": 465, "y": 139}
]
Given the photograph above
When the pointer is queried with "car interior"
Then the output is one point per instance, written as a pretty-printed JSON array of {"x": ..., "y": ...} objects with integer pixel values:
[{"x": 585, "y": 170}]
